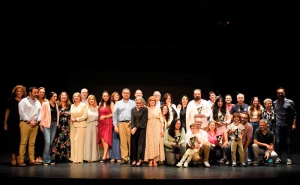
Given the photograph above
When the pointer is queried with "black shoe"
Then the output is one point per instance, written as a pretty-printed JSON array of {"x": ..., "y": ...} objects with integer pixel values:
[
  {"x": 133, "y": 164},
  {"x": 103, "y": 160},
  {"x": 124, "y": 161},
  {"x": 138, "y": 164}
]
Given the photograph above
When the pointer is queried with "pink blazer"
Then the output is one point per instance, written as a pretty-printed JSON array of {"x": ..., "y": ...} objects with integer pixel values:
[{"x": 46, "y": 115}]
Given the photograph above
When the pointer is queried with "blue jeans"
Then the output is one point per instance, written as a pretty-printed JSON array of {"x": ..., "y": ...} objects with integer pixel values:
[
  {"x": 49, "y": 134},
  {"x": 250, "y": 154},
  {"x": 283, "y": 136}
]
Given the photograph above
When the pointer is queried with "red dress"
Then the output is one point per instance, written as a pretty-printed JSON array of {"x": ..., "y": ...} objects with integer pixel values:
[{"x": 105, "y": 126}]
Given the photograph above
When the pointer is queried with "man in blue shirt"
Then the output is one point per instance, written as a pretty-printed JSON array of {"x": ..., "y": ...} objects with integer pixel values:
[
  {"x": 286, "y": 115},
  {"x": 121, "y": 121}
]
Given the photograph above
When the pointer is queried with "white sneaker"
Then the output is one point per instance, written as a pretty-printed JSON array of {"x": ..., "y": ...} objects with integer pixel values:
[
  {"x": 289, "y": 161},
  {"x": 227, "y": 163},
  {"x": 278, "y": 160},
  {"x": 185, "y": 165},
  {"x": 179, "y": 164},
  {"x": 206, "y": 164},
  {"x": 233, "y": 164},
  {"x": 243, "y": 164}
]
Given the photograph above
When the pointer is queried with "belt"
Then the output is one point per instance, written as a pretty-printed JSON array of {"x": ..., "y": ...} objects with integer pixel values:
[{"x": 125, "y": 121}]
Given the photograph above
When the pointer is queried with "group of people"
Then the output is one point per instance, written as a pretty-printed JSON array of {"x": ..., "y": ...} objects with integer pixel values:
[{"x": 155, "y": 131}]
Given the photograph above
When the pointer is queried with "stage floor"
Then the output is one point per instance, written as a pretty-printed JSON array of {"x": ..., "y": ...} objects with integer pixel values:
[{"x": 91, "y": 172}]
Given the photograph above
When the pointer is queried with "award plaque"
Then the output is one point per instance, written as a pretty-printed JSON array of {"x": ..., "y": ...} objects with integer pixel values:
[
  {"x": 221, "y": 118},
  {"x": 219, "y": 139},
  {"x": 236, "y": 133},
  {"x": 241, "y": 109},
  {"x": 199, "y": 110},
  {"x": 193, "y": 140},
  {"x": 177, "y": 139}
]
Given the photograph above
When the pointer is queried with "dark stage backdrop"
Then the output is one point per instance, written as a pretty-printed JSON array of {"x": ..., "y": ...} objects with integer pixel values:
[{"x": 178, "y": 83}]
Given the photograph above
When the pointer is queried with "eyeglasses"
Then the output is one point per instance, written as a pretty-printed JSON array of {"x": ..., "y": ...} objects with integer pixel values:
[{"x": 244, "y": 117}]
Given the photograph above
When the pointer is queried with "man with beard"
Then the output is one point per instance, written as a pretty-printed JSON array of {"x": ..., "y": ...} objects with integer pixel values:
[
  {"x": 29, "y": 110},
  {"x": 197, "y": 108},
  {"x": 286, "y": 115}
]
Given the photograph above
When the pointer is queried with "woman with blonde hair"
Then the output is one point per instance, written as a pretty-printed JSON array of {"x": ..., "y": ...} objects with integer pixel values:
[
  {"x": 79, "y": 114},
  {"x": 91, "y": 148}
]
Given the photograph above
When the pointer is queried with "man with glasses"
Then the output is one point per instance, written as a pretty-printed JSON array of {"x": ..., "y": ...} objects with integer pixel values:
[
  {"x": 286, "y": 116},
  {"x": 84, "y": 95}
]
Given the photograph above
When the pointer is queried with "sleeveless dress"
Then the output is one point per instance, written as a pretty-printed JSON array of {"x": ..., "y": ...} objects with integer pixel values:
[
  {"x": 154, "y": 142},
  {"x": 105, "y": 127},
  {"x": 61, "y": 150}
]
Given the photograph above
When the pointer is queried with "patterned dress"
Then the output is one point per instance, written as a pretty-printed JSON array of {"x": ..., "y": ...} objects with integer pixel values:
[
  {"x": 61, "y": 146},
  {"x": 154, "y": 141},
  {"x": 271, "y": 118}
]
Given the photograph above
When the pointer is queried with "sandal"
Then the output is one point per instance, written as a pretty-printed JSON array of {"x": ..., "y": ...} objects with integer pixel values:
[
  {"x": 138, "y": 164},
  {"x": 13, "y": 162},
  {"x": 133, "y": 163},
  {"x": 154, "y": 163},
  {"x": 103, "y": 161},
  {"x": 150, "y": 163},
  {"x": 22, "y": 164},
  {"x": 112, "y": 160}
]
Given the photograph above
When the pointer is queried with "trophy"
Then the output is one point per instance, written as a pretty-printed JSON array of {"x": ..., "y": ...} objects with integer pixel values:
[
  {"x": 241, "y": 109},
  {"x": 199, "y": 110},
  {"x": 177, "y": 139},
  {"x": 192, "y": 141},
  {"x": 219, "y": 139},
  {"x": 221, "y": 118},
  {"x": 236, "y": 133}
]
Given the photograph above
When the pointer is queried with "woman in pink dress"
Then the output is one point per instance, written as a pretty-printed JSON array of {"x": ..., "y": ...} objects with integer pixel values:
[
  {"x": 105, "y": 126},
  {"x": 154, "y": 150}
]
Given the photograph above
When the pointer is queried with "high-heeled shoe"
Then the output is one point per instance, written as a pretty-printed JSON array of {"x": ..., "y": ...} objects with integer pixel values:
[
  {"x": 133, "y": 164},
  {"x": 138, "y": 164},
  {"x": 103, "y": 160}
]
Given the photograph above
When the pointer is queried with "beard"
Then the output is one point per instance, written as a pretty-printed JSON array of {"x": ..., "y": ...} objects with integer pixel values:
[{"x": 197, "y": 98}]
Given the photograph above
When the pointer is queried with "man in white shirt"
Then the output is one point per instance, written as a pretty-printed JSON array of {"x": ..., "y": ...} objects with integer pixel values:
[
  {"x": 84, "y": 94},
  {"x": 197, "y": 108}
]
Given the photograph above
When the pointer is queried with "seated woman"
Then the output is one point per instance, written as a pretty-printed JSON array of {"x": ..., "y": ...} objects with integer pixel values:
[
  {"x": 174, "y": 143},
  {"x": 215, "y": 139}
]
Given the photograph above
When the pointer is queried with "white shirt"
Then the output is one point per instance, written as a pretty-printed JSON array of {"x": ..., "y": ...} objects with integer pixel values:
[{"x": 192, "y": 110}]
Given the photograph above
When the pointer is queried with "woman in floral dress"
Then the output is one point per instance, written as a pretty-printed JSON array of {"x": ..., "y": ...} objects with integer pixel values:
[{"x": 61, "y": 146}]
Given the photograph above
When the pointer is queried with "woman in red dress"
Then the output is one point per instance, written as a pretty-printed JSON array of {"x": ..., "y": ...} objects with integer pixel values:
[{"x": 105, "y": 126}]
